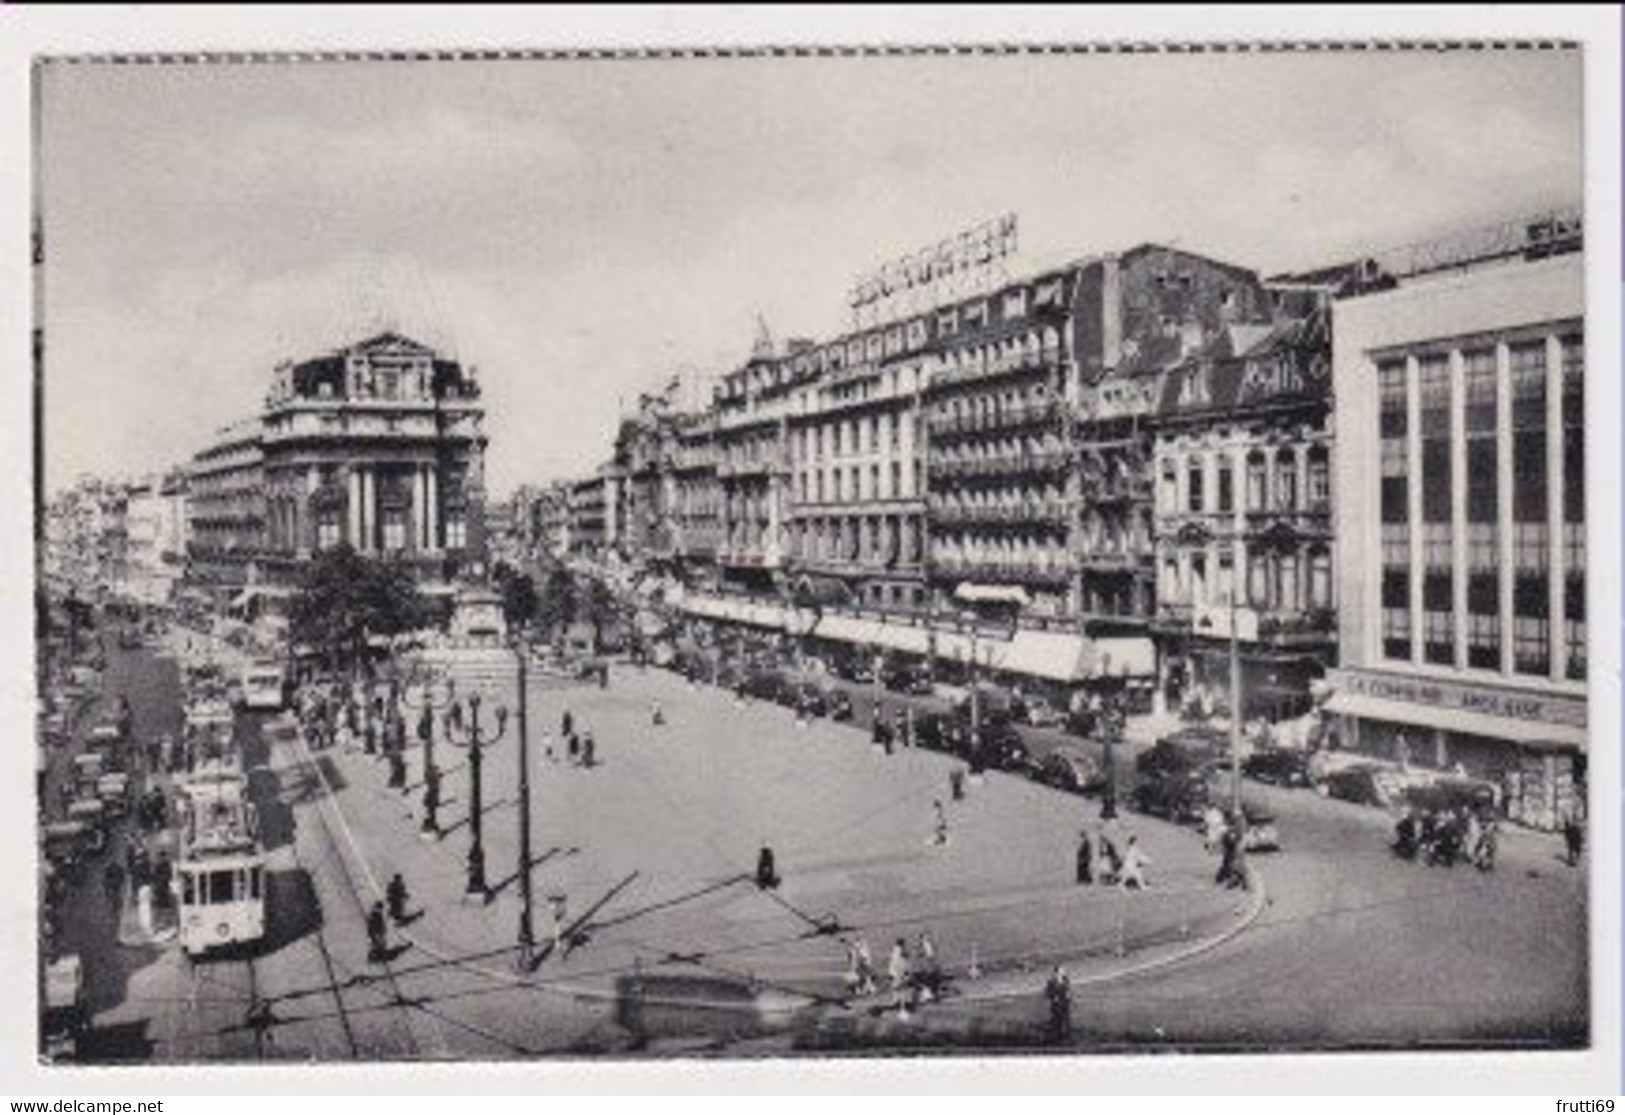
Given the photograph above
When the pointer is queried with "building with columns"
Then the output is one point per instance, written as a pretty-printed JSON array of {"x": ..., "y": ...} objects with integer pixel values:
[
  {"x": 1460, "y": 518},
  {"x": 1243, "y": 515},
  {"x": 379, "y": 445}
]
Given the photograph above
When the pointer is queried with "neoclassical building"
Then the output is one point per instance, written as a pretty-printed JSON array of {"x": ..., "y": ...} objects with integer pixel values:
[{"x": 379, "y": 445}]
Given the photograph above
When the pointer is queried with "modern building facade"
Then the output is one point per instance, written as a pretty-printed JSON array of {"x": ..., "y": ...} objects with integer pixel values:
[{"x": 1460, "y": 522}]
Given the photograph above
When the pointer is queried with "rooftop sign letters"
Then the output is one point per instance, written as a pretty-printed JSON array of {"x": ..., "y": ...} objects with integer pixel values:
[{"x": 952, "y": 264}]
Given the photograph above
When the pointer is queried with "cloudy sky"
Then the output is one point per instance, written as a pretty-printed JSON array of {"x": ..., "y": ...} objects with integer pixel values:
[{"x": 580, "y": 230}]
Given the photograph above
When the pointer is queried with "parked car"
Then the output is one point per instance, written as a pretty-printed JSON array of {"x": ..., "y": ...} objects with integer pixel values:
[
  {"x": 811, "y": 699},
  {"x": 935, "y": 731},
  {"x": 1080, "y": 721},
  {"x": 1189, "y": 749},
  {"x": 1360, "y": 784},
  {"x": 838, "y": 703},
  {"x": 1071, "y": 770},
  {"x": 1003, "y": 749},
  {"x": 1178, "y": 795},
  {"x": 1278, "y": 767},
  {"x": 914, "y": 680},
  {"x": 1260, "y": 834},
  {"x": 1042, "y": 714}
]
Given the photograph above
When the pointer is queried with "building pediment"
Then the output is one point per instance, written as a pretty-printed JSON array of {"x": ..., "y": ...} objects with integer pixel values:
[{"x": 390, "y": 343}]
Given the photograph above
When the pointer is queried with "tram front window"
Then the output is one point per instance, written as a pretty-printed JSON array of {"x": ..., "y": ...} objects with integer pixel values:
[
  {"x": 188, "y": 888},
  {"x": 254, "y": 883},
  {"x": 222, "y": 887}
]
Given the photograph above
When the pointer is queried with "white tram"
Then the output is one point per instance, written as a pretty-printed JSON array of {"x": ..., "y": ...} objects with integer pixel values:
[{"x": 220, "y": 873}]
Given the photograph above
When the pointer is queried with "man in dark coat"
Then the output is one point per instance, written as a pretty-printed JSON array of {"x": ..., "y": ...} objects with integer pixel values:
[
  {"x": 377, "y": 934},
  {"x": 1573, "y": 839},
  {"x": 1086, "y": 859}
]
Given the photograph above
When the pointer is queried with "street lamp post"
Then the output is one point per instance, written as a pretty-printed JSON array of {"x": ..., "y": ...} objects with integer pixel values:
[
  {"x": 428, "y": 706},
  {"x": 466, "y": 718}
]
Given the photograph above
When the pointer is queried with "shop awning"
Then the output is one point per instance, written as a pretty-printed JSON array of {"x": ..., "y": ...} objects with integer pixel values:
[
  {"x": 992, "y": 594},
  {"x": 983, "y": 650},
  {"x": 1124, "y": 657},
  {"x": 1050, "y": 655},
  {"x": 1528, "y": 733}
]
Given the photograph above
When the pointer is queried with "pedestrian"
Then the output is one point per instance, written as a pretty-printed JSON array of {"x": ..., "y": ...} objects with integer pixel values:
[
  {"x": 1110, "y": 858},
  {"x": 1135, "y": 861},
  {"x": 1573, "y": 838},
  {"x": 589, "y": 750},
  {"x": 897, "y": 970},
  {"x": 866, "y": 966},
  {"x": 767, "y": 875},
  {"x": 929, "y": 977},
  {"x": 573, "y": 743},
  {"x": 1212, "y": 827},
  {"x": 942, "y": 823},
  {"x": 162, "y": 873},
  {"x": 377, "y": 934},
  {"x": 1058, "y": 990},
  {"x": 395, "y": 895},
  {"x": 657, "y": 717},
  {"x": 1086, "y": 860},
  {"x": 559, "y": 911},
  {"x": 567, "y": 725},
  {"x": 1229, "y": 844},
  {"x": 852, "y": 978},
  {"x": 113, "y": 882},
  {"x": 956, "y": 784}
]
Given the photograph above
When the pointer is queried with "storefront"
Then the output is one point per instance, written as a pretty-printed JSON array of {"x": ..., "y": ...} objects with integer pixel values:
[{"x": 1530, "y": 743}]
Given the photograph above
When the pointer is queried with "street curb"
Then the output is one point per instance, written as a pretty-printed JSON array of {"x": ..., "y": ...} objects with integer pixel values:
[{"x": 576, "y": 991}]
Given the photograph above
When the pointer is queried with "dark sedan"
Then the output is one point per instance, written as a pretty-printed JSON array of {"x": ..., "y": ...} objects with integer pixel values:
[
  {"x": 1071, "y": 770},
  {"x": 1278, "y": 768},
  {"x": 1358, "y": 784},
  {"x": 1179, "y": 796}
]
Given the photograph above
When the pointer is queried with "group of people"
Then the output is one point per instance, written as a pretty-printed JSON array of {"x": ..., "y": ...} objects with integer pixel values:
[
  {"x": 913, "y": 973},
  {"x": 1444, "y": 837},
  {"x": 1111, "y": 859},
  {"x": 579, "y": 747}
]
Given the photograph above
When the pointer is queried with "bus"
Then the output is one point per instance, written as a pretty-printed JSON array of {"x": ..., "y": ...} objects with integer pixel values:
[
  {"x": 264, "y": 685},
  {"x": 219, "y": 876}
]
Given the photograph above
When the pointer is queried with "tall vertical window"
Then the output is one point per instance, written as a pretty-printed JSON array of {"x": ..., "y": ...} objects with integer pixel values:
[
  {"x": 329, "y": 530},
  {"x": 1438, "y": 613},
  {"x": 1286, "y": 482},
  {"x": 1255, "y": 482},
  {"x": 1195, "y": 474},
  {"x": 1483, "y": 511},
  {"x": 1320, "y": 480},
  {"x": 874, "y": 482},
  {"x": 896, "y": 480},
  {"x": 1168, "y": 492},
  {"x": 456, "y": 532},
  {"x": 1574, "y": 507},
  {"x": 1226, "y": 485},
  {"x": 1395, "y": 510},
  {"x": 1531, "y": 618}
]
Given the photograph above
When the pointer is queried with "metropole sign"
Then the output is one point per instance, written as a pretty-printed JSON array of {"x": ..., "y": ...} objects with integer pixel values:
[{"x": 948, "y": 267}]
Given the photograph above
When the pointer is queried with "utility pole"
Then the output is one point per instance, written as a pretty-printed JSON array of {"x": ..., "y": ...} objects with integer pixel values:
[{"x": 527, "y": 934}]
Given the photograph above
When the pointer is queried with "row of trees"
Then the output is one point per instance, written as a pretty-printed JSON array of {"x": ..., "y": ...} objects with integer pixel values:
[{"x": 346, "y": 598}]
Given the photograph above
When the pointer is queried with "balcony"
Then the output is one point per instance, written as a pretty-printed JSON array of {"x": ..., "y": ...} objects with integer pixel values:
[
  {"x": 1043, "y": 462},
  {"x": 1312, "y": 524},
  {"x": 1013, "y": 364},
  {"x": 1008, "y": 418},
  {"x": 1056, "y": 573},
  {"x": 1029, "y": 511}
]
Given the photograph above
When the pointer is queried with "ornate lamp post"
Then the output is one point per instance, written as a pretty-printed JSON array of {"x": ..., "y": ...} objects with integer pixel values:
[
  {"x": 426, "y": 706},
  {"x": 463, "y": 720},
  {"x": 1110, "y": 729}
]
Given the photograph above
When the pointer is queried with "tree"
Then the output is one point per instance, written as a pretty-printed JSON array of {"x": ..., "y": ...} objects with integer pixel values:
[
  {"x": 345, "y": 597},
  {"x": 520, "y": 603},
  {"x": 558, "y": 601},
  {"x": 598, "y": 606}
]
